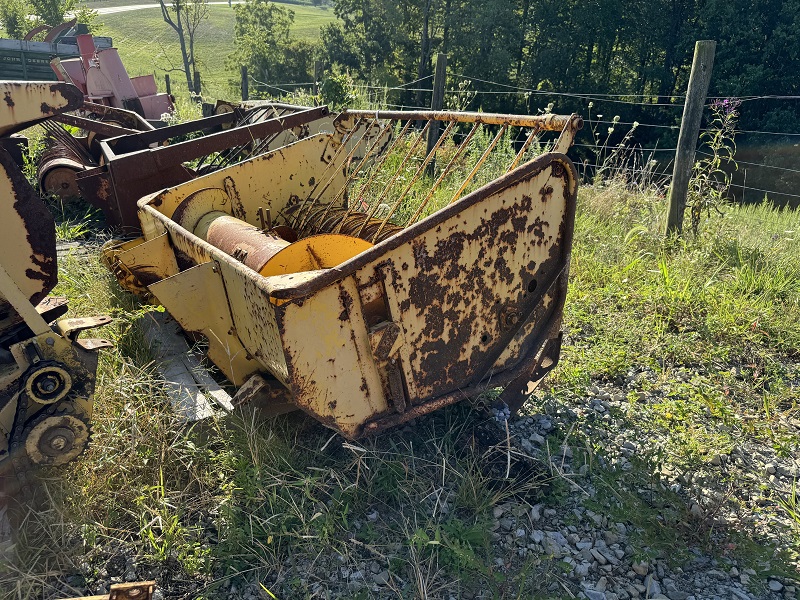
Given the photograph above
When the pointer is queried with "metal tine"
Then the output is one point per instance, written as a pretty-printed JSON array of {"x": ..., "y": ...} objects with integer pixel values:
[
  {"x": 345, "y": 140},
  {"x": 387, "y": 188},
  {"x": 354, "y": 172},
  {"x": 264, "y": 144},
  {"x": 375, "y": 169},
  {"x": 443, "y": 174},
  {"x": 478, "y": 165},
  {"x": 528, "y": 141},
  {"x": 415, "y": 178},
  {"x": 236, "y": 153},
  {"x": 61, "y": 135}
]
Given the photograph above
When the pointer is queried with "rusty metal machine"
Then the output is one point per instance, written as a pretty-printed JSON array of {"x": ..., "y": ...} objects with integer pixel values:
[
  {"x": 133, "y": 164},
  {"x": 100, "y": 74},
  {"x": 47, "y": 372},
  {"x": 67, "y": 155},
  {"x": 367, "y": 276}
]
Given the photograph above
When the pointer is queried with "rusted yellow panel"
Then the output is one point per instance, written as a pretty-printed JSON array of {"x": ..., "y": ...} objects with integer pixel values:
[
  {"x": 198, "y": 301},
  {"x": 271, "y": 180},
  {"x": 332, "y": 371},
  {"x": 254, "y": 319},
  {"x": 451, "y": 284},
  {"x": 26, "y": 102},
  {"x": 138, "y": 263},
  {"x": 28, "y": 242}
]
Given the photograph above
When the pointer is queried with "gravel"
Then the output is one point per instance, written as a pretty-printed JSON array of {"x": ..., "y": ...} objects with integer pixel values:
[{"x": 601, "y": 551}]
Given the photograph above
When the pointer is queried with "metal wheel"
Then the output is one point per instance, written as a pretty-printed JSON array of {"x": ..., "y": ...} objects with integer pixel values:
[
  {"x": 56, "y": 439},
  {"x": 48, "y": 383}
]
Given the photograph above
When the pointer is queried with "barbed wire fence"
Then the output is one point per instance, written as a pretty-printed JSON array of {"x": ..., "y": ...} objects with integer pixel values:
[{"x": 757, "y": 173}]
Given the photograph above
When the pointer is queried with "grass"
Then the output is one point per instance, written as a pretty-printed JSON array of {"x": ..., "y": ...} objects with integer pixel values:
[
  {"x": 280, "y": 506},
  {"x": 148, "y": 45}
]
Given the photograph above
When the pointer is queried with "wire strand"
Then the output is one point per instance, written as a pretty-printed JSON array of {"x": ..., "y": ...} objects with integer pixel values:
[
  {"x": 755, "y": 189},
  {"x": 566, "y": 94},
  {"x": 742, "y": 162}
]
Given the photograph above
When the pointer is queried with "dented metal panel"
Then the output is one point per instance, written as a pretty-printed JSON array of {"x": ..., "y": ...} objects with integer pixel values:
[
  {"x": 438, "y": 308},
  {"x": 47, "y": 374}
]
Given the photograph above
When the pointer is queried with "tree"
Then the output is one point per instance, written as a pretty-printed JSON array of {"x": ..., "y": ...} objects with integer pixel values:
[
  {"x": 87, "y": 16},
  {"x": 185, "y": 18},
  {"x": 263, "y": 45},
  {"x": 51, "y": 12},
  {"x": 14, "y": 18}
]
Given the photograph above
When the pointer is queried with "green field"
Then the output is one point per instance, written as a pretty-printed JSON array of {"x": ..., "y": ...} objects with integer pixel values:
[{"x": 148, "y": 45}]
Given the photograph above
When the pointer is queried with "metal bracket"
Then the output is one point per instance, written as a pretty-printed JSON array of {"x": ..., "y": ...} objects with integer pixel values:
[
  {"x": 270, "y": 397},
  {"x": 71, "y": 328}
]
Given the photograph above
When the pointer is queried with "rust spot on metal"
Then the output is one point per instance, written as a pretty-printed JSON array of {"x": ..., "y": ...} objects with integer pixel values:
[
  {"x": 8, "y": 99},
  {"x": 346, "y": 301},
  {"x": 39, "y": 228}
]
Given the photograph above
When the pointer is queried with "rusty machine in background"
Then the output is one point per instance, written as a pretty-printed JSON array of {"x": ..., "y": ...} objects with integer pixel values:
[
  {"x": 359, "y": 274},
  {"x": 122, "y": 157},
  {"x": 136, "y": 164},
  {"x": 47, "y": 372},
  {"x": 103, "y": 79},
  {"x": 66, "y": 154}
]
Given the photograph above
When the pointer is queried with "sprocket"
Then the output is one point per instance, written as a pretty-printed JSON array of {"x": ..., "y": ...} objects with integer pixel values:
[{"x": 57, "y": 436}]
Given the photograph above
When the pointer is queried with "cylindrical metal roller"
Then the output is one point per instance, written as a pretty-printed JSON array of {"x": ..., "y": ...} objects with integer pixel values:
[
  {"x": 322, "y": 219},
  {"x": 57, "y": 177},
  {"x": 268, "y": 254},
  {"x": 244, "y": 242}
]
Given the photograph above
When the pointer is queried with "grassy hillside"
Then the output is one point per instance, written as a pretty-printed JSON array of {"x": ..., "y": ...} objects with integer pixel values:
[{"x": 148, "y": 45}]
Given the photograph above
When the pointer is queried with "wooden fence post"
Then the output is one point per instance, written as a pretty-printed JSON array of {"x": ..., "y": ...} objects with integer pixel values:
[
  {"x": 437, "y": 103},
  {"x": 166, "y": 81},
  {"x": 690, "y": 128},
  {"x": 245, "y": 84}
]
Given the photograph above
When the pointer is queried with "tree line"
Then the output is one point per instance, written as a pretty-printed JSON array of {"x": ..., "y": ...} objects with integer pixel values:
[{"x": 638, "y": 47}]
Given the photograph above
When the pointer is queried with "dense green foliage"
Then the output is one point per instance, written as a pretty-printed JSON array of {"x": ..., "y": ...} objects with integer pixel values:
[
  {"x": 14, "y": 18},
  {"x": 51, "y": 12},
  {"x": 605, "y": 46},
  {"x": 264, "y": 46},
  {"x": 16, "y": 22}
]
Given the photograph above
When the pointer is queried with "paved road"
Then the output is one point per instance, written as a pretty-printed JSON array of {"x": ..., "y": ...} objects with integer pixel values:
[{"x": 118, "y": 9}]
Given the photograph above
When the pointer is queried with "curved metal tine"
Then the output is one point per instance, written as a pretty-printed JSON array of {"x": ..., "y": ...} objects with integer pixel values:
[
  {"x": 534, "y": 134},
  {"x": 375, "y": 169},
  {"x": 354, "y": 172},
  {"x": 361, "y": 164},
  {"x": 345, "y": 140},
  {"x": 411, "y": 150},
  {"x": 456, "y": 155},
  {"x": 415, "y": 178},
  {"x": 347, "y": 159},
  {"x": 263, "y": 145},
  {"x": 235, "y": 153},
  {"x": 478, "y": 165},
  {"x": 61, "y": 135}
]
